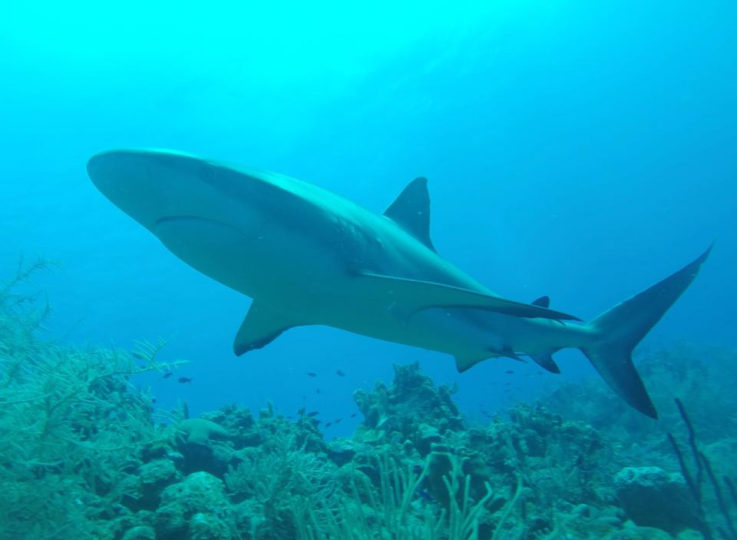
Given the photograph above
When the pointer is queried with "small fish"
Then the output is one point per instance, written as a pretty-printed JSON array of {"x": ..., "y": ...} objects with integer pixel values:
[
  {"x": 184, "y": 380},
  {"x": 339, "y": 373},
  {"x": 317, "y": 391},
  {"x": 168, "y": 374},
  {"x": 509, "y": 372},
  {"x": 301, "y": 411},
  {"x": 354, "y": 415},
  {"x": 424, "y": 494},
  {"x": 313, "y": 413},
  {"x": 311, "y": 374},
  {"x": 337, "y": 421},
  {"x": 119, "y": 509},
  {"x": 328, "y": 424}
]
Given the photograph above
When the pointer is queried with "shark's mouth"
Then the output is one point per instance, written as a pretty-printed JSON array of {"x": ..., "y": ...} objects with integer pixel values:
[
  {"x": 190, "y": 227},
  {"x": 198, "y": 231}
]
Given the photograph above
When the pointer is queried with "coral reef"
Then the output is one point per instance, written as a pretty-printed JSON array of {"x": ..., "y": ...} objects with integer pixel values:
[{"x": 84, "y": 454}]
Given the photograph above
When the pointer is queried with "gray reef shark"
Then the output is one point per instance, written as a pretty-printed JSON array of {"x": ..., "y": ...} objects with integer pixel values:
[{"x": 308, "y": 256}]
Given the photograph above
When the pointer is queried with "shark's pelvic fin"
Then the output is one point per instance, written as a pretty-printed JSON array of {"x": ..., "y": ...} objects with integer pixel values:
[
  {"x": 417, "y": 295},
  {"x": 545, "y": 360},
  {"x": 621, "y": 328},
  {"x": 411, "y": 211},
  {"x": 261, "y": 326}
]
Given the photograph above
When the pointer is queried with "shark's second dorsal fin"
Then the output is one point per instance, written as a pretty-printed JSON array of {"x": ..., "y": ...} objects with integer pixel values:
[
  {"x": 261, "y": 326},
  {"x": 411, "y": 211}
]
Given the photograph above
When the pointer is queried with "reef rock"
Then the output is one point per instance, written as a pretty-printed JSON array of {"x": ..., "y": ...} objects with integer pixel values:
[
  {"x": 652, "y": 497},
  {"x": 140, "y": 532},
  {"x": 413, "y": 409},
  {"x": 154, "y": 477},
  {"x": 195, "y": 508},
  {"x": 200, "y": 442}
]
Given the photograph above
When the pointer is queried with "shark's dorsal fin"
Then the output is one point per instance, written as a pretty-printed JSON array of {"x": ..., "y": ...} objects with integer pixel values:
[
  {"x": 261, "y": 326},
  {"x": 411, "y": 211},
  {"x": 543, "y": 301},
  {"x": 415, "y": 295}
]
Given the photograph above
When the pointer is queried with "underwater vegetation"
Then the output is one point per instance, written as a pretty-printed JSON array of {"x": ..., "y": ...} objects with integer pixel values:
[{"x": 85, "y": 454}]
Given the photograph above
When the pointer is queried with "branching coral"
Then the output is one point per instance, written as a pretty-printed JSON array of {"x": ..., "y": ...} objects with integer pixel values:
[
  {"x": 398, "y": 508},
  {"x": 68, "y": 417},
  {"x": 695, "y": 480}
]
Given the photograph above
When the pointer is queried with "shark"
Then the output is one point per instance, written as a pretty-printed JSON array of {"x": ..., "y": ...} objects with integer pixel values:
[{"x": 308, "y": 256}]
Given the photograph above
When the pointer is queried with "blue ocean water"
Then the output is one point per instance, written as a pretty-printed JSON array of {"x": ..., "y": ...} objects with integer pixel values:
[{"x": 577, "y": 150}]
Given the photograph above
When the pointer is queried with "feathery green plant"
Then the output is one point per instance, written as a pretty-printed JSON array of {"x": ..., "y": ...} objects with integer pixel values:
[
  {"x": 70, "y": 422},
  {"x": 395, "y": 508}
]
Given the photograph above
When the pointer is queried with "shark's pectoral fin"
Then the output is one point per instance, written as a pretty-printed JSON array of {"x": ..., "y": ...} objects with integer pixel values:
[
  {"x": 464, "y": 363},
  {"x": 261, "y": 326},
  {"x": 415, "y": 295}
]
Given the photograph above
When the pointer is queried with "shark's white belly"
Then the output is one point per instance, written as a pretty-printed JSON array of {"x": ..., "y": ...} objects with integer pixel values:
[
  {"x": 298, "y": 276},
  {"x": 307, "y": 279},
  {"x": 263, "y": 263},
  {"x": 461, "y": 332}
]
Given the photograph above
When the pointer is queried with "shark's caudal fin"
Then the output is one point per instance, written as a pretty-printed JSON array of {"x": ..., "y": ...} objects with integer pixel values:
[{"x": 621, "y": 328}]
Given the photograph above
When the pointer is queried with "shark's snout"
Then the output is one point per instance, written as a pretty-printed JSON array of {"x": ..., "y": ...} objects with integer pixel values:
[
  {"x": 108, "y": 173},
  {"x": 125, "y": 178},
  {"x": 151, "y": 185}
]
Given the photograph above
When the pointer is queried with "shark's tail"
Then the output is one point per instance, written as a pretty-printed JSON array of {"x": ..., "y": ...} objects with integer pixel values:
[{"x": 621, "y": 328}]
